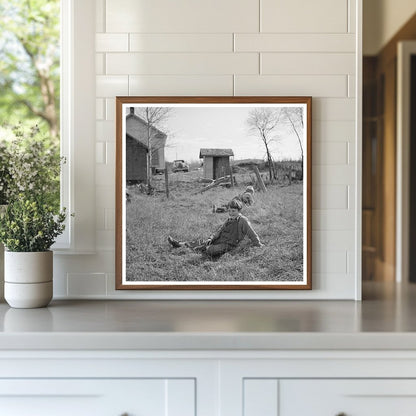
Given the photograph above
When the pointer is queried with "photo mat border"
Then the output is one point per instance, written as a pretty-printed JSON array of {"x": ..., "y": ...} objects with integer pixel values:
[{"x": 120, "y": 259}]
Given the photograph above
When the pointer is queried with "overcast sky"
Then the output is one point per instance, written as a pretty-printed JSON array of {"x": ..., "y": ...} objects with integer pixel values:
[{"x": 191, "y": 128}]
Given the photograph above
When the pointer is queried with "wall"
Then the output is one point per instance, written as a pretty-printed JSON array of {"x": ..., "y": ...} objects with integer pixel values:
[
  {"x": 237, "y": 47},
  {"x": 382, "y": 19}
]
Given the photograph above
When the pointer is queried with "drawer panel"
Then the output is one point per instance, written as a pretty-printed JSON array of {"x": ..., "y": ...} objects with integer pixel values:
[
  {"x": 114, "y": 397},
  {"x": 349, "y": 397}
]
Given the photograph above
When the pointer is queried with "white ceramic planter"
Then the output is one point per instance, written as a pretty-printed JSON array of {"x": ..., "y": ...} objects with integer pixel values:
[{"x": 28, "y": 279}]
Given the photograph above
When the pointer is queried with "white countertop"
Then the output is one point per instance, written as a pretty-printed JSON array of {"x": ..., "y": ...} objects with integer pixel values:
[{"x": 383, "y": 320}]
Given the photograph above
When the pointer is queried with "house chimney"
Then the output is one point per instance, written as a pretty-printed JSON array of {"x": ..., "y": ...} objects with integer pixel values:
[{"x": 131, "y": 110}]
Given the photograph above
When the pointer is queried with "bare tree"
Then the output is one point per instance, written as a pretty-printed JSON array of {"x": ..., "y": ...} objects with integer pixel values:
[
  {"x": 263, "y": 123},
  {"x": 154, "y": 117},
  {"x": 29, "y": 62},
  {"x": 294, "y": 116}
]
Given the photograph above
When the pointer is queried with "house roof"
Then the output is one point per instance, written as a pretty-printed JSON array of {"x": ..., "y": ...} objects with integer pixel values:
[
  {"x": 215, "y": 152},
  {"x": 136, "y": 128}
]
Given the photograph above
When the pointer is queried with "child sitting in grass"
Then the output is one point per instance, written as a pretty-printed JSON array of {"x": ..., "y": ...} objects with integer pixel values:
[{"x": 227, "y": 237}]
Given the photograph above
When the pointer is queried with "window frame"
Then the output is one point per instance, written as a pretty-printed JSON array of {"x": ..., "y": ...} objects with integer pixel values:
[{"x": 77, "y": 103}]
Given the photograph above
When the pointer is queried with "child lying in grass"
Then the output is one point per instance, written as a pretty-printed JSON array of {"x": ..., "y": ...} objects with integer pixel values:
[
  {"x": 227, "y": 237},
  {"x": 247, "y": 198}
]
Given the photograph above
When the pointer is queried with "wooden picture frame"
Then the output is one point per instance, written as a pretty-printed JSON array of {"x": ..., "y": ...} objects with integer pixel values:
[{"x": 180, "y": 164}]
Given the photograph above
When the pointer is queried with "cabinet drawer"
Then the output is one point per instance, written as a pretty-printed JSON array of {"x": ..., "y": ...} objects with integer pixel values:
[
  {"x": 86, "y": 397},
  {"x": 349, "y": 397}
]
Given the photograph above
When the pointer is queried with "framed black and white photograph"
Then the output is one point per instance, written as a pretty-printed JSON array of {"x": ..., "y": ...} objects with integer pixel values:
[{"x": 213, "y": 193}]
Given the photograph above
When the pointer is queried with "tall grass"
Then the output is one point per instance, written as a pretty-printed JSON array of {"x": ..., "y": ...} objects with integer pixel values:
[{"x": 277, "y": 217}]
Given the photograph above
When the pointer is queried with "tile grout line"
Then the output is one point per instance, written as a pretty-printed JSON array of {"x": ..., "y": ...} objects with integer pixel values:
[
  {"x": 104, "y": 17},
  {"x": 233, "y": 84},
  {"x": 260, "y": 21},
  {"x": 348, "y": 16}
]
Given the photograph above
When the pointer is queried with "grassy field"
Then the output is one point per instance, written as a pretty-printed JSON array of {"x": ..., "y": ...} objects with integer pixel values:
[{"x": 276, "y": 216}]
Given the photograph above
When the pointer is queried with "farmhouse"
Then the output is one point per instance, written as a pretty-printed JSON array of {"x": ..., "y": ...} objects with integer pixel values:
[
  {"x": 216, "y": 162},
  {"x": 137, "y": 148}
]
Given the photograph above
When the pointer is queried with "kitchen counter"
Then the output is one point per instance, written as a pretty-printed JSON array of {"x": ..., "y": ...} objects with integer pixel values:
[{"x": 383, "y": 320}]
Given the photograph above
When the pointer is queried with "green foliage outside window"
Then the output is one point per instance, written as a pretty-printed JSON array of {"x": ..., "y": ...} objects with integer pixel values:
[{"x": 30, "y": 82}]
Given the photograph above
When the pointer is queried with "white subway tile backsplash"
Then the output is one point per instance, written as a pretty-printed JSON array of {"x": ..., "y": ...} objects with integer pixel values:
[
  {"x": 110, "y": 109},
  {"x": 329, "y": 262},
  {"x": 100, "y": 153},
  {"x": 100, "y": 15},
  {"x": 182, "y": 16},
  {"x": 330, "y": 153},
  {"x": 60, "y": 282},
  {"x": 350, "y": 261},
  {"x": 181, "y": 85},
  {"x": 337, "y": 285},
  {"x": 352, "y": 16},
  {"x": 351, "y": 197},
  {"x": 182, "y": 42},
  {"x": 105, "y": 131},
  {"x": 331, "y": 109},
  {"x": 351, "y": 153},
  {"x": 86, "y": 284},
  {"x": 294, "y": 42},
  {"x": 99, "y": 262},
  {"x": 99, "y": 63},
  {"x": 333, "y": 175},
  {"x": 304, "y": 48},
  {"x": 182, "y": 63},
  {"x": 307, "y": 63},
  {"x": 105, "y": 196},
  {"x": 99, "y": 109},
  {"x": 351, "y": 86},
  {"x": 111, "y": 284},
  {"x": 110, "y": 218},
  {"x": 330, "y": 196},
  {"x": 300, "y": 16},
  {"x": 105, "y": 240},
  {"x": 333, "y": 240},
  {"x": 104, "y": 175},
  {"x": 111, "y": 153},
  {"x": 100, "y": 218},
  {"x": 333, "y": 220},
  {"x": 112, "y": 42},
  {"x": 332, "y": 130},
  {"x": 111, "y": 86},
  {"x": 309, "y": 85}
]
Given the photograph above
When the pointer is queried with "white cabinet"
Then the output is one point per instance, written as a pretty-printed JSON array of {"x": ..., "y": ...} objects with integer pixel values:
[
  {"x": 349, "y": 397},
  {"x": 207, "y": 383},
  {"x": 319, "y": 383},
  {"x": 113, "y": 383}
]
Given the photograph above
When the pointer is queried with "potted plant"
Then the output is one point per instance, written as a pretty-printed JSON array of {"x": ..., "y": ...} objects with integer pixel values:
[
  {"x": 32, "y": 220},
  {"x": 28, "y": 229}
]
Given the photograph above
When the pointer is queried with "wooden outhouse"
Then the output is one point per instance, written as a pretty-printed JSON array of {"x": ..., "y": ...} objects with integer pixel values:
[
  {"x": 137, "y": 148},
  {"x": 216, "y": 162}
]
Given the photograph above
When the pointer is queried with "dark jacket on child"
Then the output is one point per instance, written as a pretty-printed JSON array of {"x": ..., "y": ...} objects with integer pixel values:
[{"x": 234, "y": 230}]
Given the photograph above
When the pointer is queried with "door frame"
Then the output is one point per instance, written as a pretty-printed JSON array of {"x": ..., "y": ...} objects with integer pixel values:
[{"x": 404, "y": 51}]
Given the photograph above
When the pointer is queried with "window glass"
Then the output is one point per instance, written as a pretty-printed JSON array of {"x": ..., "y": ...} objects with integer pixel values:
[{"x": 30, "y": 72}]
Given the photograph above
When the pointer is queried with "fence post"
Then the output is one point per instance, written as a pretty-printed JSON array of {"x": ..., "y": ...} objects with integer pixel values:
[
  {"x": 166, "y": 180},
  {"x": 262, "y": 186}
]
